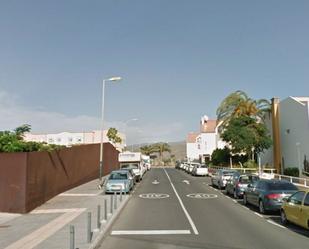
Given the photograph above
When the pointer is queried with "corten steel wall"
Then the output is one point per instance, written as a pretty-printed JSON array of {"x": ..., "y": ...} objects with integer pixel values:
[
  {"x": 47, "y": 174},
  {"x": 13, "y": 168}
]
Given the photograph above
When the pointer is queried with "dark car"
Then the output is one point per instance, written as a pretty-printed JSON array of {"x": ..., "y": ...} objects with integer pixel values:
[
  {"x": 238, "y": 183},
  {"x": 268, "y": 194}
]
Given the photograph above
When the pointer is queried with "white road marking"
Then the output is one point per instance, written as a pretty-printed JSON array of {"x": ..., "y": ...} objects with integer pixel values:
[
  {"x": 202, "y": 196},
  {"x": 235, "y": 201},
  {"x": 150, "y": 232},
  {"x": 186, "y": 181},
  {"x": 276, "y": 224},
  {"x": 155, "y": 182},
  {"x": 154, "y": 196},
  {"x": 259, "y": 215},
  {"x": 35, "y": 238},
  {"x": 79, "y": 195},
  {"x": 182, "y": 205}
]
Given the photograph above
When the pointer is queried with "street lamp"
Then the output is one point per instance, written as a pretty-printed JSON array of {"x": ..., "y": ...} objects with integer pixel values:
[
  {"x": 298, "y": 156},
  {"x": 125, "y": 128},
  {"x": 112, "y": 79}
]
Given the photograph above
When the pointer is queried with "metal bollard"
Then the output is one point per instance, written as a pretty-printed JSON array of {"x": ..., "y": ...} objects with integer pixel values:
[
  {"x": 99, "y": 217},
  {"x": 121, "y": 195},
  {"x": 115, "y": 201},
  {"x": 112, "y": 204},
  {"x": 72, "y": 237},
  {"x": 89, "y": 232},
  {"x": 105, "y": 209}
]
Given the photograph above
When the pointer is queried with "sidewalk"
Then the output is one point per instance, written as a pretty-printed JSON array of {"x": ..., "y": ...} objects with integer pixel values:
[{"x": 48, "y": 226}]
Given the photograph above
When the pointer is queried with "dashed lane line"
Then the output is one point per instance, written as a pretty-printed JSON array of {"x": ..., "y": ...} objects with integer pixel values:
[
  {"x": 182, "y": 205},
  {"x": 259, "y": 215},
  {"x": 276, "y": 224},
  {"x": 150, "y": 232}
]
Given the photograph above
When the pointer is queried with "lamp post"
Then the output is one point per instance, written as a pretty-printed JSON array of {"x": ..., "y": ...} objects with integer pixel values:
[
  {"x": 298, "y": 157},
  {"x": 113, "y": 79}
]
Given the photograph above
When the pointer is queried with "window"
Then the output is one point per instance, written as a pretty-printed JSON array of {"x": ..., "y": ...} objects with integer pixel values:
[
  {"x": 279, "y": 185},
  {"x": 59, "y": 140},
  {"x": 306, "y": 202},
  {"x": 297, "y": 198},
  {"x": 50, "y": 140},
  {"x": 70, "y": 139}
]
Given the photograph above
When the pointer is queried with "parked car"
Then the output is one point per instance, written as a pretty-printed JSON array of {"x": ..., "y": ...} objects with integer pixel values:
[
  {"x": 200, "y": 170},
  {"x": 119, "y": 180},
  {"x": 190, "y": 168},
  {"x": 220, "y": 178},
  {"x": 132, "y": 168},
  {"x": 268, "y": 194},
  {"x": 238, "y": 183},
  {"x": 131, "y": 172},
  {"x": 295, "y": 209}
]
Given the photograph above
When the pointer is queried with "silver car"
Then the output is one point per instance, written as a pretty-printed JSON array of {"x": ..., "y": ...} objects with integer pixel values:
[
  {"x": 119, "y": 181},
  {"x": 220, "y": 178}
]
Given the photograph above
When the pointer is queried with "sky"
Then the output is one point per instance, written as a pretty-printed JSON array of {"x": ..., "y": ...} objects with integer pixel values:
[{"x": 178, "y": 60}]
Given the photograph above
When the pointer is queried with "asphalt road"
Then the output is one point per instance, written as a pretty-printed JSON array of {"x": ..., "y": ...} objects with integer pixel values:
[{"x": 179, "y": 221}]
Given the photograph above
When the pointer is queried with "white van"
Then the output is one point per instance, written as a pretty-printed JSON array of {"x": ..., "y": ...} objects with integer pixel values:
[{"x": 132, "y": 160}]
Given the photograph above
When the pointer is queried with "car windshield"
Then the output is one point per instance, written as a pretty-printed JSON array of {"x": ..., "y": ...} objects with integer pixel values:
[
  {"x": 118, "y": 176},
  {"x": 280, "y": 186},
  {"x": 129, "y": 166},
  {"x": 228, "y": 173}
]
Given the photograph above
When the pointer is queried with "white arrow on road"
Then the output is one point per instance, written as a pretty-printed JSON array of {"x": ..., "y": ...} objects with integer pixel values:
[
  {"x": 186, "y": 181},
  {"x": 155, "y": 182}
]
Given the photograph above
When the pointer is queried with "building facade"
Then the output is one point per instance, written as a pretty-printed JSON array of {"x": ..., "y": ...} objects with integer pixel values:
[
  {"x": 73, "y": 138},
  {"x": 201, "y": 145},
  {"x": 294, "y": 134}
]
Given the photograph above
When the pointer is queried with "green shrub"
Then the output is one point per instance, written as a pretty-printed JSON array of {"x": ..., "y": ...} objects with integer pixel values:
[
  {"x": 250, "y": 164},
  {"x": 291, "y": 171},
  {"x": 13, "y": 142},
  {"x": 220, "y": 157}
]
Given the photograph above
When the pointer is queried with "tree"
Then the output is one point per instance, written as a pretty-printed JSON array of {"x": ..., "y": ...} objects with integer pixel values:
[
  {"x": 21, "y": 130},
  {"x": 13, "y": 142},
  {"x": 161, "y": 148},
  {"x": 221, "y": 157},
  {"x": 239, "y": 104},
  {"x": 147, "y": 149},
  {"x": 243, "y": 134},
  {"x": 113, "y": 136}
]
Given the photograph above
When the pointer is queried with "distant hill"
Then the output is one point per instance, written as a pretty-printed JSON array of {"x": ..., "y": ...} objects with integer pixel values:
[{"x": 177, "y": 148}]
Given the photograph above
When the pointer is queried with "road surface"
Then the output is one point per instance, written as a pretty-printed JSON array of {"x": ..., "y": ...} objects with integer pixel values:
[{"x": 171, "y": 209}]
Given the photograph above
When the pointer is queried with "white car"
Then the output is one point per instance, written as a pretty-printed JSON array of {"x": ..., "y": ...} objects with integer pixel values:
[
  {"x": 190, "y": 168},
  {"x": 220, "y": 178},
  {"x": 200, "y": 170}
]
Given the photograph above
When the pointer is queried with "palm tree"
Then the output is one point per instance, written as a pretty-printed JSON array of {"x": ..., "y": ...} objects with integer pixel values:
[
  {"x": 161, "y": 148},
  {"x": 239, "y": 104}
]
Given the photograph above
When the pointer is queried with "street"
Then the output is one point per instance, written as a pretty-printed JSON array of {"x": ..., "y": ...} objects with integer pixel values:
[{"x": 181, "y": 211}]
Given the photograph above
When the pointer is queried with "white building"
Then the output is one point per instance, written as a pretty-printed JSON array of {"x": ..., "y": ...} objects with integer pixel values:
[
  {"x": 201, "y": 145},
  {"x": 73, "y": 138},
  {"x": 294, "y": 133}
]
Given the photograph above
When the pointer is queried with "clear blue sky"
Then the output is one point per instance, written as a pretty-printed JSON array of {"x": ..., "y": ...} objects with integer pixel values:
[{"x": 179, "y": 59}]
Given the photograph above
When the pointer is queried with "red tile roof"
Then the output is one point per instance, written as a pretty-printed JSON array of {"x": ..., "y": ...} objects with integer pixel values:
[
  {"x": 191, "y": 138},
  {"x": 209, "y": 126}
]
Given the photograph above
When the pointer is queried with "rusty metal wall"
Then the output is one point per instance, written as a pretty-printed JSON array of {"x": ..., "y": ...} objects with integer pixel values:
[
  {"x": 46, "y": 174},
  {"x": 13, "y": 170}
]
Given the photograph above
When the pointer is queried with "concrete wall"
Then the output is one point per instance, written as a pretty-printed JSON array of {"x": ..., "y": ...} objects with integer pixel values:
[
  {"x": 294, "y": 129},
  {"x": 27, "y": 180}
]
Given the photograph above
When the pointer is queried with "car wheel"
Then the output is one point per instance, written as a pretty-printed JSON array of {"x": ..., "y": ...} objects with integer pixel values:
[
  {"x": 261, "y": 207},
  {"x": 283, "y": 218},
  {"x": 235, "y": 194},
  {"x": 245, "y": 200}
]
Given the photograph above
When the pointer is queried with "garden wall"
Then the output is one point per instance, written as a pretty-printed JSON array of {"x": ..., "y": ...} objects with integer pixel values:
[{"x": 27, "y": 180}]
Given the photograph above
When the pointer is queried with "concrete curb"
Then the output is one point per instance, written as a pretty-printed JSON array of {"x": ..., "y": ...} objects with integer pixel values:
[{"x": 108, "y": 224}]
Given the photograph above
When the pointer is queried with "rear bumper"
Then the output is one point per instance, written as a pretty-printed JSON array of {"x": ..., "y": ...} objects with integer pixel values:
[{"x": 272, "y": 205}]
